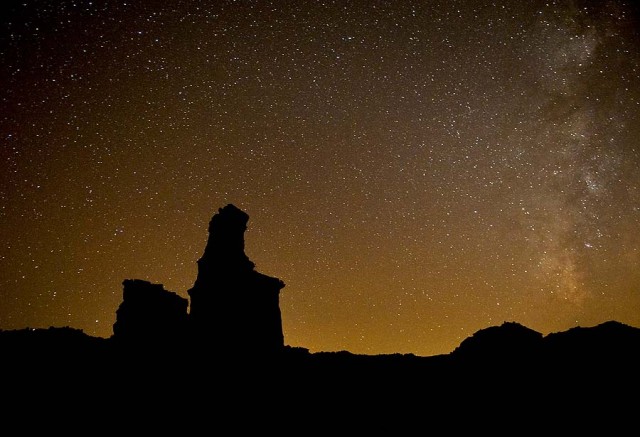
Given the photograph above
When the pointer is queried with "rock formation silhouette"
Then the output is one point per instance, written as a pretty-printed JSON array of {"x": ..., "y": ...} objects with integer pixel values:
[
  {"x": 162, "y": 366},
  {"x": 150, "y": 315},
  {"x": 234, "y": 309}
]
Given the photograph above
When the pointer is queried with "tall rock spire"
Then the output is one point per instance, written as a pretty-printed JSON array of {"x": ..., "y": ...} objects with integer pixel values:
[
  {"x": 233, "y": 307},
  {"x": 225, "y": 246}
]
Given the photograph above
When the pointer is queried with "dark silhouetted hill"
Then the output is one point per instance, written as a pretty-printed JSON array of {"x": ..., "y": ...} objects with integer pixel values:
[{"x": 610, "y": 346}]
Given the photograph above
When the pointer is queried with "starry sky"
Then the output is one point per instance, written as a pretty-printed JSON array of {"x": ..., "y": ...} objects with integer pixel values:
[{"x": 414, "y": 171}]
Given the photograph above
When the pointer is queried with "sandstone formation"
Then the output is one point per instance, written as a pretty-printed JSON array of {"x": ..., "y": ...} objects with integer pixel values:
[
  {"x": 234, "y": 308},
  {"x": 149, "y": 314}
]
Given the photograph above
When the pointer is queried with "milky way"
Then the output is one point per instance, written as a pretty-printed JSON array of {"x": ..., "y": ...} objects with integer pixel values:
[{"x": 413, "y": 171}]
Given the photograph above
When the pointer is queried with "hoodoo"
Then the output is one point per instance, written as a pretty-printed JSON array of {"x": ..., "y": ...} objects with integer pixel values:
[{"x": 233, "y": 307}]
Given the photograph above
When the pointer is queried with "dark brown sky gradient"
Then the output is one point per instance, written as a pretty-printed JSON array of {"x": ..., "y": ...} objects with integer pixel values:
[{"x": 413, "y": 170}]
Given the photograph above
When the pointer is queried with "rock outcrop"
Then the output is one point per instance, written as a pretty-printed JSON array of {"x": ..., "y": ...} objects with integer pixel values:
[
  {"x": 150, "y": 315},
  {"x": 234, "y": 308}
]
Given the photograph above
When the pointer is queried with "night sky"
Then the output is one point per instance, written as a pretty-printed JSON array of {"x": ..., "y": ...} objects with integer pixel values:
[{"x": 414, "y": 171}]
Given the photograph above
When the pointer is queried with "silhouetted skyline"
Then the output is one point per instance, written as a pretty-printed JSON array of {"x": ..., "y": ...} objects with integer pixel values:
[{"x": 414, "y": 171}]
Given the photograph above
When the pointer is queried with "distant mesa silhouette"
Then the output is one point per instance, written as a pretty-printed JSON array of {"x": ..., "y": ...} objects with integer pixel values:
[
  {"x": 504, "y": 343},
  {"x": 606, "y": 343},
  {"x": 610, "y": 346}
]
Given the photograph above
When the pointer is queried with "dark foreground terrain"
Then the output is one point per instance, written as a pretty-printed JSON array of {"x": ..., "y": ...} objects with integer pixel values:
[
  {"x": 217, "y": 364},
  {"x": 504, "y": 378}
]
